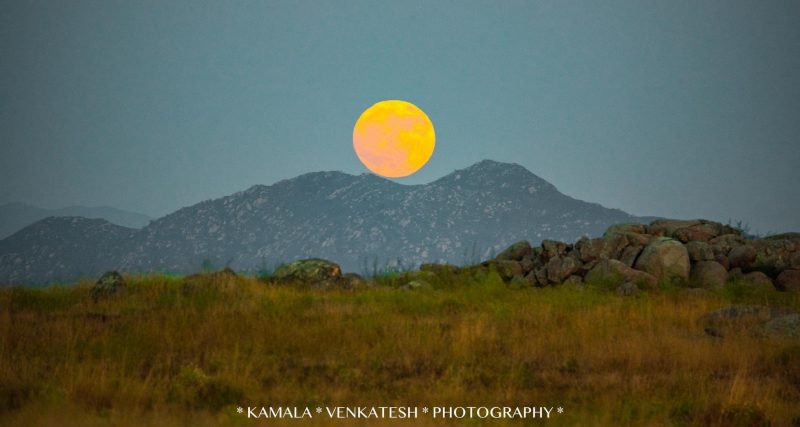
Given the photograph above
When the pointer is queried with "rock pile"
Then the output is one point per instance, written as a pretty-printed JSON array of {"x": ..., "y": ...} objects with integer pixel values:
[{"x": 698, "y": 252}]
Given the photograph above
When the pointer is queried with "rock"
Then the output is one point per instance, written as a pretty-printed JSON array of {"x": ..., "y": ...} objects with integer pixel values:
[
  {"x": 629, "y": 255},
  {"x": 312, "y": 271},
  {"x": 722, "y": 260},
  {"x": 552, "y": 248},
  {"x": 559, "y": 268},
  {"x": 794, "y": 261},
  {"x": 528, "y": 264},
  {"x": 788, "y": 280},
  {"x": 664, "y": 258},
  {"x": 740, "y": 318},
  {"x": 109, "y": 284},
  {"x": 507, "y": 269},
  {"x": 626, "y": 228},
  {"x": 723, "y": 244},
  {"x": 699, "y": 251},
  {"x": 758, "y": 279},
  {"x": 610, "y": 246},
  {"x": 782, "y": 327},
  {"x": 531, "y": 280},
  {"x": 773, "y": 256},
  {"x": 516, "y": 252},
  {"x": 709, "y": 274},
  {"x": 611, "y": 269},
  {"x": 668, "y": 227},
  {"x": 628, "y": 289},
  {"x": 742, "y": 256},
  {"x": 541, "y": 276},
  {"x": 573, "y": 280}
]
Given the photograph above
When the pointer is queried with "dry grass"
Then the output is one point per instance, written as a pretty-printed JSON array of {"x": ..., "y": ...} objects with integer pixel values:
[{"x": 167, "y": 354}]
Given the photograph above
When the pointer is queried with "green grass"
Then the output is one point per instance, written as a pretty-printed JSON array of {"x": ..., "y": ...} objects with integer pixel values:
[{"x": 165, "y": 352}]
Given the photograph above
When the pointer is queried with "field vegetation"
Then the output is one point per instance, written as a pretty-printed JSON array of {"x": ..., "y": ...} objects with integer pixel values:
[{"x": 171, "y": 351}]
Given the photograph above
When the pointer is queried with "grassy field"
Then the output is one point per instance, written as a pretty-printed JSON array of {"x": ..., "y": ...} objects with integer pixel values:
[{"x": 166, "y": 353}]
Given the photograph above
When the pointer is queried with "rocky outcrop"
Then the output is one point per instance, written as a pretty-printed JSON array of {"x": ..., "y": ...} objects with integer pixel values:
[
  {"x": 109, "y": 284},
  {"x": 698, "y": 253},
  {"x": 314, "y": 272}
]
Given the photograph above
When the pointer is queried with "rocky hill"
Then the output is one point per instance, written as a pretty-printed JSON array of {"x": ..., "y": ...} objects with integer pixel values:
[
  {"x": 359, "y": 221},
  {"x": 16, "y": 216}
]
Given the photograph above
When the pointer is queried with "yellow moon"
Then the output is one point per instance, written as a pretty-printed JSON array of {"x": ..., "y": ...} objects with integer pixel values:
[{"x": 394, "y": 138}]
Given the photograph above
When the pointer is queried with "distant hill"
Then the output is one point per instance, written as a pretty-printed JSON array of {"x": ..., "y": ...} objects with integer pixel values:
[
  {"x": 16, "y": 216},
  {"x": 358, "y": 221}
]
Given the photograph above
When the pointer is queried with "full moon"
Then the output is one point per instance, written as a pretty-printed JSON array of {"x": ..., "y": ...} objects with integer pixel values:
[{"x": 393, "y": 138}]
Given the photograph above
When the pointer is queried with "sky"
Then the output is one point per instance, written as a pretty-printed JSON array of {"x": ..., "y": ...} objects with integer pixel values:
[{"x": 685, "y": 109}]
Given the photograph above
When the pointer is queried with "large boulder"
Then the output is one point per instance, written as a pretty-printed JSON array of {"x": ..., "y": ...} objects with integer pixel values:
[
  {"x": 610, "y": 246},
  {"x": 788, "y": 280},
  {"x": 787, "y": 326},
  {"x": 722, "y": 245},
  {"x": 560, "y": 268},
  {"x": 626, "y": 228},
  {"x": 699, "y": 251},
  {"x": 740, "y": 319},
  {"x": 312, "y": 271},
  {"x": 709, "y": 274},
  {"x": 109, "y": 284},
  {"x": 742, "y": 256},
  {"x": 689, "y": 230},
  {"x": 611, "y": 269},
  {"x": 664, "y": 258},
  {"x": 552, "y": 248},
  {"x": 773, "y": 255},
  {"x": 516, "y": 252},
  {"x": 507, "y": 269}
]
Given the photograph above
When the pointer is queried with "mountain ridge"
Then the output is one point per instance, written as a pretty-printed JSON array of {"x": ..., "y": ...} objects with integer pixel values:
[{"x": 357, "y": 220}]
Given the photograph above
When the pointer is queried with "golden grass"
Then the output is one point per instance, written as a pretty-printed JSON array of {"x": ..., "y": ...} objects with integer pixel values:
[{"x": 164, "y": 353}]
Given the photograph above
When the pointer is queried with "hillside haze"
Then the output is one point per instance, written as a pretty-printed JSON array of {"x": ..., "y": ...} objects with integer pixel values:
[{"x": 358, "y": 221}]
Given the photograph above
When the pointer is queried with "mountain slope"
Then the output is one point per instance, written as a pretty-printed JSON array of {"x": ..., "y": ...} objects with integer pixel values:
[
  {"x": 61, "y": 249},
  {"x": 361, "y": 221},
  {"x": 16, "y": 216}
]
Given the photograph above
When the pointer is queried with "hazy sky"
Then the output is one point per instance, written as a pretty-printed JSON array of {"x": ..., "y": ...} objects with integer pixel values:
[{"x": 671, "y": 108}]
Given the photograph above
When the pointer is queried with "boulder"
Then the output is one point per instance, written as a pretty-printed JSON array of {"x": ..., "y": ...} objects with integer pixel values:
[
  {"x": 668, "y": 227},
  {"x": 723, "y": 244},
  {"x": 610, "y": 246},
  {"x": 611, "y": 269},
  {"x": 573, "y": 280},
  {"x": 699, "y": 251},
  {"x": 664, "y": 258},
  {"x": 787, "y": 326},
  {"x": 559, "y": 268},
  {"x": 742, "y": 256},
  {"x": 722, "y": 260},
  {"x": 552, "y": 248},
  {"x": 689, "y": 230},
  {"x": 758, "y": 279},
  {"x": 516, "y": 252},
  {"x": 109, "y": 284},
  {"x": 740, "y": 318},
  {"x": 773, "y": 255},
  {"x": 788, "y": 280},
  {"x": 629, "y": 255},
  {"x": 626, "y": 228},
  {"x": 507, "y": 269},
  {"x": 709, "y": 274},
  {"x": 312, "y": 271}
]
